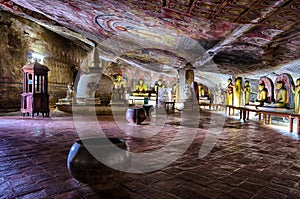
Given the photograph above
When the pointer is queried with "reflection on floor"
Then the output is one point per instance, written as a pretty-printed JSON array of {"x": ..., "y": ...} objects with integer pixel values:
[{"x": 247, "y": 160}]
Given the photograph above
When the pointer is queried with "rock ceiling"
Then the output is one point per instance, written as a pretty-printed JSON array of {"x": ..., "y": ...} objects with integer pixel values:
[{"x": 220, "y": 36}]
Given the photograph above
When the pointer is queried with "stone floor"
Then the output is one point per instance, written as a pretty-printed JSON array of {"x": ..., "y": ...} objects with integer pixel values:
[{"x": 247, "y": 160}]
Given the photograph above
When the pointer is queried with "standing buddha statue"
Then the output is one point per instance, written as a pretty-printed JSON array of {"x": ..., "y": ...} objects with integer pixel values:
[
  {"x": 119, "y": 88},
  {"x": 247, "y": 90},
  {"x": 229, "y": 92},
  {"x": 296, "y": 91},
  {"x": 237, "y": 92}
]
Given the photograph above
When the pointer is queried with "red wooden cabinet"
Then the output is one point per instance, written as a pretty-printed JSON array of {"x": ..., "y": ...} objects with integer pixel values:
[{"x": 35, "y": 97}]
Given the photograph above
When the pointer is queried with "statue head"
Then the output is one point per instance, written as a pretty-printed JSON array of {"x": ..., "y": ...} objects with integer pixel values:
[
  {"x": 141, "y": 81},
  {"x": 229, "y": 81},
  {"x": 119, "y": 77},
  {"x": 261, "y": 86},
  {"x": 246, "y": 83},
  {"x": 279, "y": 84},
  {"x": 70, "y": 86},
  {"x": 238, "y": 81},
  {"x": 159, "y": 82},
  {"x": 298, "y": 82}
]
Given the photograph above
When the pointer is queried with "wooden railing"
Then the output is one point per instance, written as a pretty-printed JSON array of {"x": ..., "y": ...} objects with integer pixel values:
[{"x": 263, "y": 115}]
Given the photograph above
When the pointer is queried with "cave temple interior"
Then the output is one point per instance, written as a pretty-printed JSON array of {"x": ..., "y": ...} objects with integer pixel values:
[{"x": 204, "y": 94}]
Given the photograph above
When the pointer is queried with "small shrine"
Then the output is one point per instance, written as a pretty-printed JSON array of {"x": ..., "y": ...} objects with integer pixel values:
[{"x": 35, "y": 97}]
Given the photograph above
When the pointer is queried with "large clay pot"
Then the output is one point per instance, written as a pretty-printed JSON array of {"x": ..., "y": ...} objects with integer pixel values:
[
  {"x": 148, "y": 108},
  {"x": 135, "y": 115},
  {"x": 84, "y": 167}
]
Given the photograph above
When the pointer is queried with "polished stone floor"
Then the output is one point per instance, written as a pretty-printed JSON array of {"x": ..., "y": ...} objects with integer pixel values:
[{"x": 244, "y": 159}]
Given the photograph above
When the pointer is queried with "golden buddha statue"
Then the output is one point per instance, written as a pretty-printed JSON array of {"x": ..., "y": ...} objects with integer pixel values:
[
  {"x": 141, "y": 86},
  {"x": 119, "y": 82},
  {"x": 229, "y": 92},
  {"x": 262, "y": 94},
  {"x": 141, "y": 89},
  {"x": 237, "y": 92},
  {"x": 281, "y": 95},
  {"x": 247, "y": 90},
  {"x": 201, "y": 91},
  {"x": 296, "y": 91}
]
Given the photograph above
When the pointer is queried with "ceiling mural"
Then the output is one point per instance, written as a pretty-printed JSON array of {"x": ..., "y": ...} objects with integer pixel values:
[
  {"x": 132, "y": 28},
  {"x": 155, "y": 56},
  {"x": 236, "y": 36}
]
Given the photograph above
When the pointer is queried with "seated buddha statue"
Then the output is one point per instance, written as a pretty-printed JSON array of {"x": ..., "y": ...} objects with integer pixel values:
[
  {"x": 140, "y": 89},
  {"x": 281, "y": 95},
  {"x": 119, "y": 82},
  {"x": 262, "y": 94},
  {"x": 70, "y": 92},
  {"x": 69, "y": 95}
]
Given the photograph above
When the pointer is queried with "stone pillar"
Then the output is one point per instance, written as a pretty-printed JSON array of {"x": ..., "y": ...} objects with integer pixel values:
[{"x": 182, "y": 85}]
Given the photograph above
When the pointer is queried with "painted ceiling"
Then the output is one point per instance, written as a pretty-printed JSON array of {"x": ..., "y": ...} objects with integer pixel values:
[{"x": 218, "y": 36}]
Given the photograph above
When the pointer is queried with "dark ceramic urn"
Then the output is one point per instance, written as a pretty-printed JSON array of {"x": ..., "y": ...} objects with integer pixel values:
[
  {"x": 99, "y": 162},
  {"x": 148, "y": 108},
  {"x": 135, "y": 115}
]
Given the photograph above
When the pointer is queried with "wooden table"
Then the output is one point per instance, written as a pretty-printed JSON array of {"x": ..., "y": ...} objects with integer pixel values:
[{"x": 170, "y": 106}]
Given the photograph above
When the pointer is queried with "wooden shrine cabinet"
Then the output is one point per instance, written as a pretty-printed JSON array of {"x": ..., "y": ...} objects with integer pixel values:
[{"x": 35, "y": 97}]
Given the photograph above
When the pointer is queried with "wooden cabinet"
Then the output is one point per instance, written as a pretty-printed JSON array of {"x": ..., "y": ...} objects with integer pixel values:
[{"x": 35, "y": 97}]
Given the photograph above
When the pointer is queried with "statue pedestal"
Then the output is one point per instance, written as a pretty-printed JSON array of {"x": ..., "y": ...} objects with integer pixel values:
[
  {"x": 91, "y": 100},
  {"x": 119, "y": 102},
  {"x": 64, "y": 101}
]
